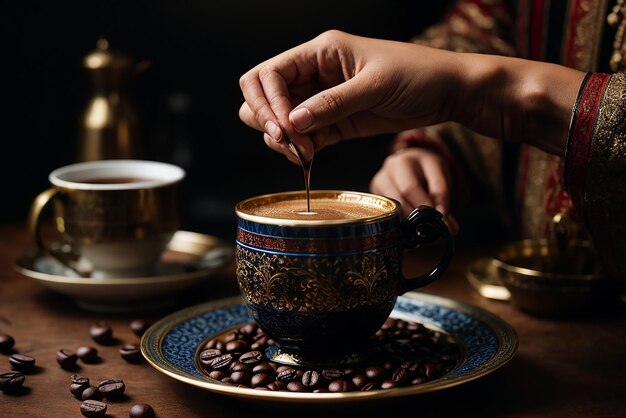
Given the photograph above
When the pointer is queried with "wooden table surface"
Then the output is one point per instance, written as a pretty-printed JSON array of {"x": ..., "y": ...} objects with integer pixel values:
[{"x": 567, "y": 367}]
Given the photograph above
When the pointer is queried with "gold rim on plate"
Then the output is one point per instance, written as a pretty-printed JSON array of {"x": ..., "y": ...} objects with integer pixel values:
[{"x": 171, "y": 345}]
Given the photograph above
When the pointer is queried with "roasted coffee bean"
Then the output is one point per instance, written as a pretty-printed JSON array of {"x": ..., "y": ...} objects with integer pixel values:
[
  {"x": 211, "y": 344},
  {"x": 375, "y": 373},
  {"x": 102, "y": 333},
  {"x": 389, "y": 323},
  {"x": 332, "y": 374},
  {"x": 310, "y": 378},
  {"x": 359, "y": 381},
  {"x": 77, "y": 389},
  {"x": 139, "y": 326},
  {"x": 250, "y": 328},
  {"x": 11, "y": 381},
  {"x": 340, "y": 386},
  {"x": 66, "y": 358},
  {"x": 141, "y": 410},
  {"x": 388, "y": 384},
  {"x": 296, "y": 386},
  {"x": 241, "y": 378},
  {"x": 92, "y": 393},
  {"x": 399, "y": 376},
  {"x": 261, "y": 379},
  {"x": 22, "y": 362},
  {"x": 287, "y": 374},
  {"x": 392, "y": 365},
  {"x": 263, "y": 367},
  {"x": 87, "y": 354},
  {"x": 232, "y": 336},
  {"x": 112, "y": 388},
  {"x": 6, "y": 342},
  {"x": 207, "y": 355},
  {"x": 222, "y": 362},
  {"x": 274, "y": 386},
  {"x": 217, "y": 375},
  {"x": 131, "y": 353},
  {"x": 78, "y": 385},
  {"x": 410, "y": 366},
  {"x": 93, "y": 408},
  {"x": 251, "y": 358},
  {"x": 237, "y": 346},
  {"x": 349, "y": 371},
  {"x": 388, "y": 366},
  {"x": 418, "y": 380},
  {"x": 76, "y": 378},
  {"x": 237, "y": 366}
]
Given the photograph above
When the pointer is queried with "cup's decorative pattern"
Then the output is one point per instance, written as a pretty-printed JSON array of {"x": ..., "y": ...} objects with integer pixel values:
[
  {"x": 318, "y": 284},
  {"x": 318, "y": 246},
  {"x": 87, "y": 216}
]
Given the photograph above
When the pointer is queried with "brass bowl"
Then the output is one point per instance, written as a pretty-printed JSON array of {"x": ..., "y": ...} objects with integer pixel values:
[{"x": 545, "y": 279}]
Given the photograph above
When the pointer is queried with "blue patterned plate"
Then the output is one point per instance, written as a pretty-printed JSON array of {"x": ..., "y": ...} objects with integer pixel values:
[{"x": 171, "y": 345}]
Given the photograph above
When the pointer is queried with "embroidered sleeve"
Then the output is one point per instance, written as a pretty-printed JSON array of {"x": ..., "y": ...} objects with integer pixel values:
[{"x": 595, "y": 166}]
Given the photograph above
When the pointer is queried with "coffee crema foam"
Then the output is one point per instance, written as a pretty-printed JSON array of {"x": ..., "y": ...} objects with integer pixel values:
[{"x": 321, "y": 209}]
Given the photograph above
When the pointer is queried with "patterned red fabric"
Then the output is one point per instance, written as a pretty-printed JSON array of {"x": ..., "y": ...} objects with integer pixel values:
[{"x": 581, "y": 132}]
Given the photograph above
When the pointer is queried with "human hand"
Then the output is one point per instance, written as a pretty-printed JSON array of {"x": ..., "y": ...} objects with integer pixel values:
[
  {"x": 416, "y": 176},
  {"x": 340, "y": 86}
]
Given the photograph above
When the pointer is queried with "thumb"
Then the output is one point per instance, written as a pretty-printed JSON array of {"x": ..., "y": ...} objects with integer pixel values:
[{"x": 334, "y": 104}]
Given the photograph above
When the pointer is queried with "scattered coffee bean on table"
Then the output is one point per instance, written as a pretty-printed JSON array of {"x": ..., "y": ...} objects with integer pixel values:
[
  {"x": 131, "y": 353},
  {"x": 93, "y": 408},
  {"x": 88, "y": 354},
  {"x": 101, "y": 332},
  {"x": 21, "y": 362},
  {"x": 6, "y": 342},
  {"x": 403, "y": 353},
  {"x": 112, "y": 389},
  {"x": 139, "y": 326},
  {"x": 11, "y": 381},
  {"x": 66, "y": 358},
  {"x": 78, "y": 385},
  {"x": 141, "y": 410},
  {"x": 91, "y": 392}
]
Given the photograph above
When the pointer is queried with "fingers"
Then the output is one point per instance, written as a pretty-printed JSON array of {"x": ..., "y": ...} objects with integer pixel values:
[
  {"x": 416, "y": 177},
  {"x": 267, "y": 104},
  {"x": 335, "y": 104},
  {"x": 437, "y": 180},
  {"x": 402, "y": 179}
]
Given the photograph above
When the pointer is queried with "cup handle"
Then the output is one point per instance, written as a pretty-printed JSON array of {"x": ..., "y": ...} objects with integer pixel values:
[
  {"x": 34, "y": 226},
  {"x": 34, "y": 217},
  {"x": 424, "y": 225}
]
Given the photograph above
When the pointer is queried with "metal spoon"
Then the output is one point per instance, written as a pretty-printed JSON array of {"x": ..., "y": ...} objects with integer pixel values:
[{"x": 306, "y": 167}]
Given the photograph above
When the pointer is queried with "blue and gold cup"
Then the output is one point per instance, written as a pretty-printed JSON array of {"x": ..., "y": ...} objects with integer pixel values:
[{"x": 321, "y": 283}]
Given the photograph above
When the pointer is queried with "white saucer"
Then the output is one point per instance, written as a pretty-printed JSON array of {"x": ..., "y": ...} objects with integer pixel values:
[{"x": 190, "y": 258}]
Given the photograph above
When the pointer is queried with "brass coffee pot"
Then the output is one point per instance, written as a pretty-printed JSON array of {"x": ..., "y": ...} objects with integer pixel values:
[{"x": 109, "y": 126}]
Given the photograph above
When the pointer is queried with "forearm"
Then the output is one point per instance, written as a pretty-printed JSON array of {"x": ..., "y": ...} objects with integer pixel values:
[{"x": 517, "y": 100}]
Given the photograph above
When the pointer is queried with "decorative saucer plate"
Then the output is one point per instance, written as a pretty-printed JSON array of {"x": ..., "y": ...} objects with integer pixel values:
[
  {"x": 189, "y": 259},
  {"x": 171, "y": 345}
]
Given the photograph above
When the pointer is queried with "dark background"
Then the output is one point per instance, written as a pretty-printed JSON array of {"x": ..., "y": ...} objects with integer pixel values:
[{"x": 187, "y": 100}]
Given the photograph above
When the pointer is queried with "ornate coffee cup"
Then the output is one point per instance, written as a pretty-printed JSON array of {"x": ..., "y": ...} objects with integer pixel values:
[
  {"x": 115, "y": 217},
  {"x": 321, "y": 283}
]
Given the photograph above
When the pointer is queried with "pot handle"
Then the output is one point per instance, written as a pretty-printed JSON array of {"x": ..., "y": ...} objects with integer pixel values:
[{"x": 424, "y": 225}]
